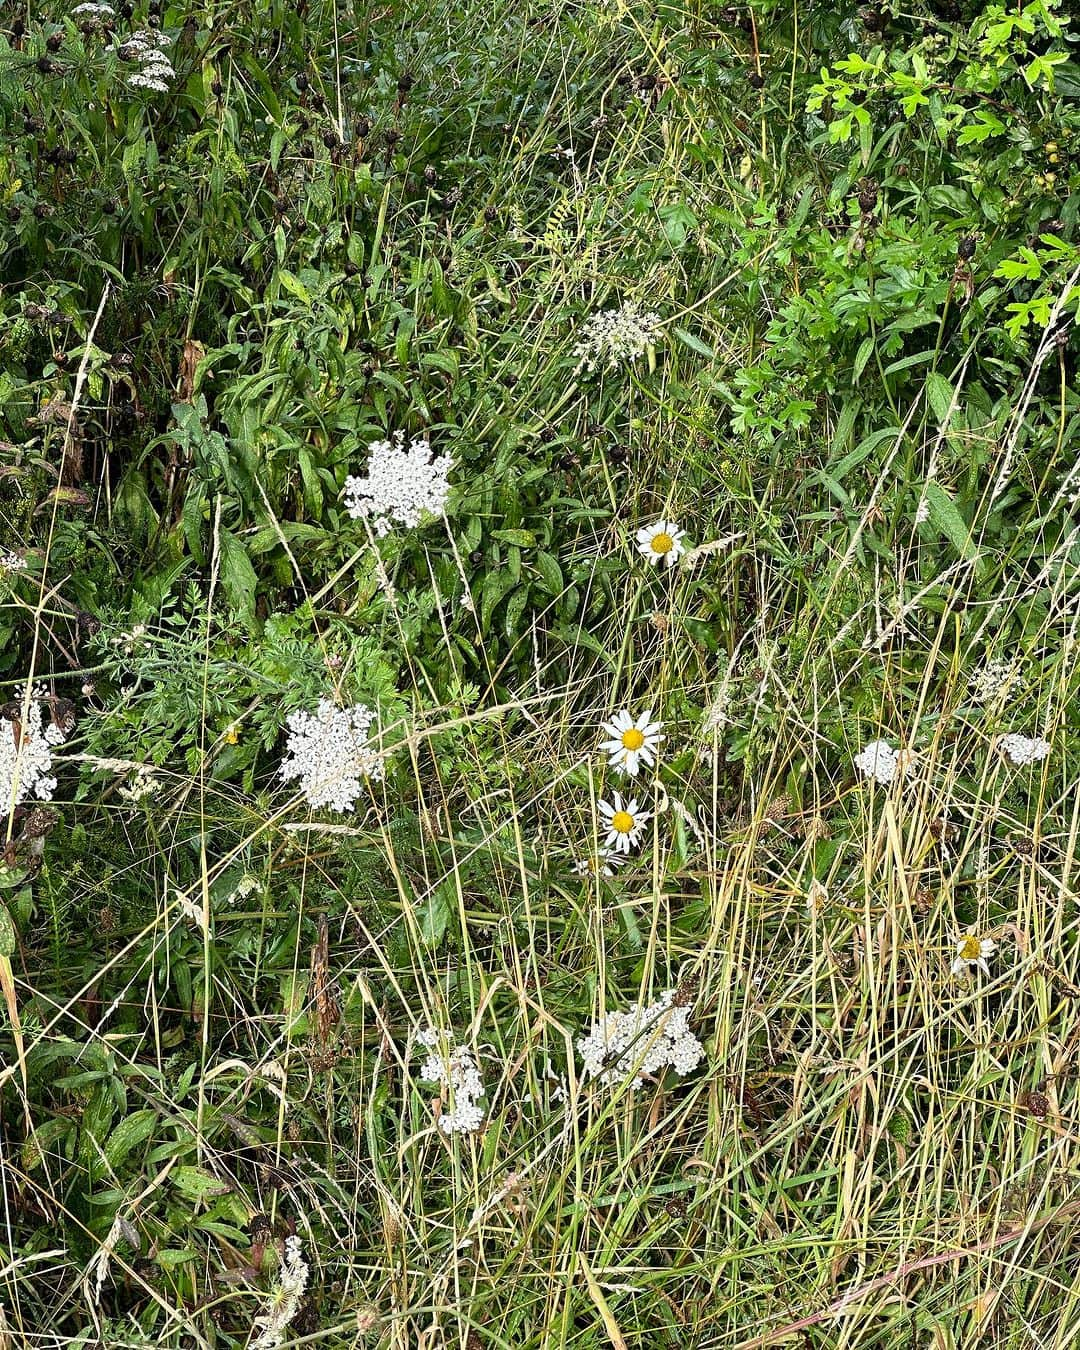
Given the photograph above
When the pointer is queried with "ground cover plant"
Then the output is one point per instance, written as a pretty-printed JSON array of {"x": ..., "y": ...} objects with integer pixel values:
[{"x": 539, "y": 555}]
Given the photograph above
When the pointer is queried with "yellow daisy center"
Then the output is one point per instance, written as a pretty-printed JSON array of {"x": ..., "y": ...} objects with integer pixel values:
[
  {"x": 622, "y": 822},
  {"x": 662, "y": 543},
  {"x": 971, "y": 948},
  {"x": 633, "y": 739}
]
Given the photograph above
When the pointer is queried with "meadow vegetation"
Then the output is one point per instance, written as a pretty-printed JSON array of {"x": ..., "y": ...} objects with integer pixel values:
[{"x": 539, "y": 576}]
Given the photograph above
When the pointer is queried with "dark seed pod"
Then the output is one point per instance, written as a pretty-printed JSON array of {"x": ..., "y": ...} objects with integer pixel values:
[
  {"x": 568, "y": 463},
  {"x": 45, "y": 66},
  {"x": 617, "y": 454},
  {"x": 54, "y": 41},
  {"x": 476, "y": 557},
  {"x": 260, "y": 1228},
  {"x": 351, "y": 268},
  {"x": 330, "y": 140},
  {"x": 406, "y": 80},
  {"x": 302, "y": 82},
  {"x": 363, "y": 128},
  {"x": 217, "y": 88},
  {"x": 547, "y": 435},
  {"x": 18, "y": 28},
  {"x": 431, "y": 175},
  {"x": 868, "y": 197},
  {"x": 42, "y": 210},
  {"x": 33, "y": 126},
  {"x": 755, "y": 80},
  {"x": 965, "y": 249},
  {"x": 490, "y": 213},
  {"x": 13, "y": 213}
]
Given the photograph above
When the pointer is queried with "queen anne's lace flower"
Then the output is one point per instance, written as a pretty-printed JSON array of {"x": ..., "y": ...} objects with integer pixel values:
[
  {"x": 1024, "y": 749},
  {"x": 458, "y": 1077},
  {"x": 401, "y": 486},
  {"x": 617, "y": 336},
  {"x": 878, "y": 760},
  {"x": 285, "y": 1299},
  {"x": 26, "y": 756},
  {"x": 641, "y": 1043},
  {"x": 328, "y": 751}
]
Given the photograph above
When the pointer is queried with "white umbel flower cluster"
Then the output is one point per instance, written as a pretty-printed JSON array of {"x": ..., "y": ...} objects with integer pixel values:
[
  {"x": 641, "y": 1043},
  {"x": 1024, "y": 749},
  {"x": 456, "y": 1072},
  {"x": 285, "y": 1299},
  {"x": 328, "y": 751},
  {"x": 26, "y": 757},
  {"x": 879, "y": 761},
  {"x": 401, "y": 486},
  {"x": 146, "y": 49},
  {"x": 616, "y": 337},
  {"x": 991, "y": 680},
  {"x": 12, "y": 562}
]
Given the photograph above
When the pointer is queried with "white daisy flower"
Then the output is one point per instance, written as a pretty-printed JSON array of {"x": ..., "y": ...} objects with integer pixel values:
[
  {"x": 633, "y": 741},
  {"x": 661, "y": 542},
  {"x": 604, "y": 861},
  {"x": 623, "y": 821},
  {"x": 972, "y": 951}
]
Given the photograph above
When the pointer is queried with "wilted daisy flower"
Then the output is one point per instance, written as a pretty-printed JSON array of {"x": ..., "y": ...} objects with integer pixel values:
[
  {"x": 285, "y": 1298},
  {"x": 616, "y": 336},
  {"x": 623, "y": 822},
  {"x": 972, "y": 952},
  {"x": 1024, "y": 749},
  {"x": 456, "y": 1072},
  {"x": 633, "y": 741},
  {"x": 640, "y": 1043},
  {"x": 661, "y": 543},
  {"x": 604, "y": 861},
  {"x": 401, "y": 486},
  {"x": 878, "y": 760},
  {"x": 328, "y": 751},
  {"x": 26, "y": 754}
]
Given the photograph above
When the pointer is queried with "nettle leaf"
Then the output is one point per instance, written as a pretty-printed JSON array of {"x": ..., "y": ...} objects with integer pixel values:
[{"x": 945, "y": 514}]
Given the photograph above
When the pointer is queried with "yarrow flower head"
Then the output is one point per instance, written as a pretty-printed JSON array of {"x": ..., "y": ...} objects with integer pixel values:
[
  {"x": 328, "y": 751},
  {"x": 661, "y": 542},
  {"x": 624, "y": 822},
  {"x": 26, "y": 754},
  {"x": 640, "y": 1043},
  {"x": 1024, "y": 749},
  {"x": 972, "y": 953},
  {"x": 12, "y": 562},
  {"x": 146, "y": 48},
  {"x": 455, "y": 1070},
  {"x": 633, "y": 741},
  {"x": 401, "y": 485},
  {"x": 991, "y": 679},
  {"x": 616, "y": 337},
  {"x": 285, "y": 1299},
  {"x": 879, "y": 761}
]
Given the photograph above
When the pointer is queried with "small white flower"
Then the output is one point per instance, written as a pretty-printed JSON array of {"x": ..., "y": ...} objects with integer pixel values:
[
  {"x": 661, "y": 542},
  {"x": 972, "y": 952},
  {"x": 922, "y": 511},
  {"x": 633, "y": 741},
  {"x": 1024, "y": 749},
  {"x": 878, "y": 760},
  {"x": 285, "y": 1298},
  {"x": 26, "y": 756},
  {"x": 604, "y": 861},
  {"x": 991, "y": 679},
  {"x": 401, "y": 486},
  {"x": 616, "y": 337},
  {"x": 640, "y": 1043},
  {"x": 458, "y": 1076},
  {"x": 328, "y": 751},
  {"x": 12, "y": 562},
  {"x": 624, "y": 822}
]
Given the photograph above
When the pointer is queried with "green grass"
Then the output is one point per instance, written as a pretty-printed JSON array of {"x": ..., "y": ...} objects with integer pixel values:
[{"x": 862, "y": 414}]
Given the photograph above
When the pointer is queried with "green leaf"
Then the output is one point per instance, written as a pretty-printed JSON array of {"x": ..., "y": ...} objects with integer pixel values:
[
  {"x": 197, "y": 1183},
  {"x": 940, "y": 395},
  {"x": 945, "y": 514},
  {"x": 132, "y": 1131},
  {"x": 238, "y": 576},
  {"x": 522, "y": 538}
]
